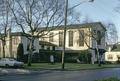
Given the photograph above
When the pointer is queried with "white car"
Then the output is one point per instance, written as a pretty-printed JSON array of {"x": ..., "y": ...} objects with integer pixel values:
[{"x": 7, "y": 62}]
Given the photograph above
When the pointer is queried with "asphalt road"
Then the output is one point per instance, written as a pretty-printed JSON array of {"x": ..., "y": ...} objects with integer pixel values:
[{"x": 84, "y": 75}]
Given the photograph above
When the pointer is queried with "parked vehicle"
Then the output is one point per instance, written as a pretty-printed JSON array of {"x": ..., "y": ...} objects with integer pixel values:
[{"x": 8, "y": 62}]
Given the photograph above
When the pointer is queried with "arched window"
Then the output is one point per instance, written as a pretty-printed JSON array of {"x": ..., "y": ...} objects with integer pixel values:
[
  {"x": 81, "y": 37},
  {"x": 70, "y": 38},
  {"x": 98, "y": 37}
]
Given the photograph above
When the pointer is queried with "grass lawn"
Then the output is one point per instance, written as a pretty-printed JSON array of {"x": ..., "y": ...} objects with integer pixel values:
[
  {"x": 69, "y": 66},
  {"x": 109, "y": 79}
]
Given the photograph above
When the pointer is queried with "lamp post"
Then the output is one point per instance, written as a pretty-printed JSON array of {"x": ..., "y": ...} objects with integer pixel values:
[{"x": 65, "y": 23}]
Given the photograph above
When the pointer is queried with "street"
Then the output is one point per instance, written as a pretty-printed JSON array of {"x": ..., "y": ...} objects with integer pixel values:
[{"x": 83, "y": 75}]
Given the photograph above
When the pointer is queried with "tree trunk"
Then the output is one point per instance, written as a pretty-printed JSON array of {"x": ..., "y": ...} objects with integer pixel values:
[
  {"x": 3, "y": 47},
  {"x": 30, "y": 51},
  {"x": 98, "y": 55}
]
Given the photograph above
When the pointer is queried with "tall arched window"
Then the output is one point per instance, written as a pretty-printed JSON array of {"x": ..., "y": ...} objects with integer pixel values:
[
  {"x": 98, "y": 37},
  {"x": 70, "y": 38},
  {"x": 81, "y": 37}
]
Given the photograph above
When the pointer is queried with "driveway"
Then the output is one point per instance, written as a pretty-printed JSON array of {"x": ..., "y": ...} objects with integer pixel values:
[{"x": 84, "y": 75}]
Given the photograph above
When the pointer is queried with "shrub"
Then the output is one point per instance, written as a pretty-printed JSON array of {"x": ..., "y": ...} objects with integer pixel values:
[
  {"x": 20, "y": 52},
  {"x": 85, "y": 56},
  {"x": 44, "y": 56},
  {"x": 71, "y": 57}
]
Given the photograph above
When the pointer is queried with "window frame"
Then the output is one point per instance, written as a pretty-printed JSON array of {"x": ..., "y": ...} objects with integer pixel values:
[
  {"x": 61, "y": 35},
  {"x": 70, "y": 39},
  {"x": 81, "y": 37}
]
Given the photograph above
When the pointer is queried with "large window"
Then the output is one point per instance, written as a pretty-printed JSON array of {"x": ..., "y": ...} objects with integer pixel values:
[
  {"x": 51, "y": 37},
  {"x": 81, "y": 37},
  {"x": 110, "y": 57},
  {"x": 60, "y": 38},
  {"x": 99, "y": 38},
  {"x": 70, "y": 38}
]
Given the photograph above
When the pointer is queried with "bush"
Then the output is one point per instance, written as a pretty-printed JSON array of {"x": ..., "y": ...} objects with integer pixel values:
[
  {"x": 40, "y": 57},
  {"x": 109, "y": 79},
  {"x": 25, "y": 58},
  {"x": 44, "y": 57},
  {"x": 71, "y": 57},
  {"x": 118, "y": 61},
  {"x": 36, "y": 57},
  {"x": 108, "y": 62},
  {"x": 20, "y": 52},
  {"x": 85, "y": 56}
]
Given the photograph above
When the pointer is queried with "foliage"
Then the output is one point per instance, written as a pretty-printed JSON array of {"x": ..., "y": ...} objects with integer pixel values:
[
  {"x": 109, "y": 79},
  {"x": 71, "y": 57},
  {"x": 111, "y": 33},
  {"x": 44, "y": 57},
  {"x": 85, "y": 56},
  {"x": 20, "y": 52},
  {"x": 30, "y": 15}
]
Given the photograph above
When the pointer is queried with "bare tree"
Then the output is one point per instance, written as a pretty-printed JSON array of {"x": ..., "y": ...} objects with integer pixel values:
[
  {"x": 87, "y": 19},
  {"x": 111, "y": 34},
  {"x": 4, "y": 15},
  {"x": 30, "y": 15},
  {"x": 74, "y": 18},
  {"x": 97, "y": 36}
]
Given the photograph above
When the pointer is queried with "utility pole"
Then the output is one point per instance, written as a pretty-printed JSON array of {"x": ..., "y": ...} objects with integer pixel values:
[
  {"x": 64, "y": 40},
  {"x": 65, "y": 24}
]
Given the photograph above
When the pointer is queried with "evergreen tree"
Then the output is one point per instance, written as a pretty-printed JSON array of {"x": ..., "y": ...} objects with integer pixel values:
[{"x": 20, "y": 52}]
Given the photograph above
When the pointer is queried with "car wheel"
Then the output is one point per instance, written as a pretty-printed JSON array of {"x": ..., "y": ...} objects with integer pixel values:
[{"x": 6, "y": 65}]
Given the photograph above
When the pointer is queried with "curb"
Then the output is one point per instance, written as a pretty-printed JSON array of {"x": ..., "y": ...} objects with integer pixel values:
[
  {"x": 54, "y": 69},
  {"x": 43, "y": 71}
]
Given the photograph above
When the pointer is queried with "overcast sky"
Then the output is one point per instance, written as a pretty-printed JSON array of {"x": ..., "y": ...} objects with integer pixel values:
[{"x": 100, "y": 10}]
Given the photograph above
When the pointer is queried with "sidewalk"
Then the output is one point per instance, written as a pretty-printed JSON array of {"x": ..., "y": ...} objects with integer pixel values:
[
  {"x": 45, "y": 69},
  {"x": 4, "y": 71},
  {"x": 7, "y": 71}
]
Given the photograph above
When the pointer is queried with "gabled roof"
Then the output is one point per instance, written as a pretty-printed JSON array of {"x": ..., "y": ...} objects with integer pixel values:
[{"x": 74, "y": 26}]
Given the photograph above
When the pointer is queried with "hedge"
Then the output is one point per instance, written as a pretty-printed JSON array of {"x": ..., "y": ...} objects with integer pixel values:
[{"x": 44, "y": 56}]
